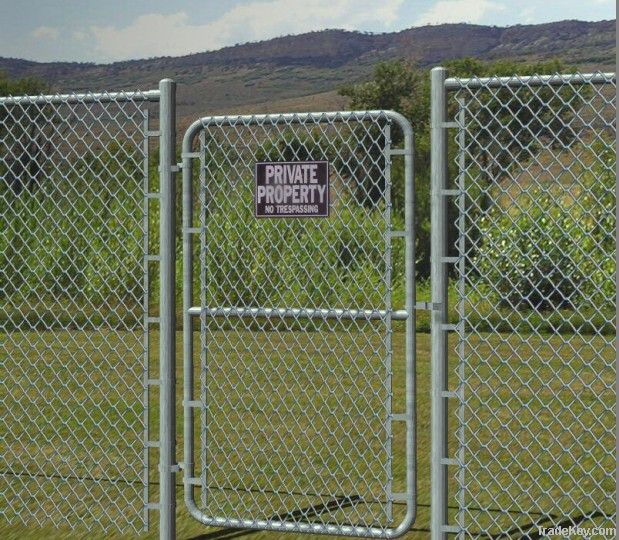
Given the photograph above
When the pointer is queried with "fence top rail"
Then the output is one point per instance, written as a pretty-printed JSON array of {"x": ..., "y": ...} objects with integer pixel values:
[
  {"x": 87, "y": 97},
  {"x": 454, "y": 83}
]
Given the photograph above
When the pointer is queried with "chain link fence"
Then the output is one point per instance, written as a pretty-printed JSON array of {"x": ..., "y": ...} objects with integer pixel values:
[
  {"x": 302, "y": 425},
  {"x": 304, "y": 389},
  {"x": 534, "y": 370},
  {"x": 74, "y": 319}
]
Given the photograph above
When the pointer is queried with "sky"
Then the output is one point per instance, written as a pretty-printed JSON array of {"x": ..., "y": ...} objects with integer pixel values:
[{"x": 111, "y": 30}]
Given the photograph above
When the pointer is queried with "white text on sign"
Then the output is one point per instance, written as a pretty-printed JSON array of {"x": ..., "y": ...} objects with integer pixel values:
[{"x": 292, "y": 189}]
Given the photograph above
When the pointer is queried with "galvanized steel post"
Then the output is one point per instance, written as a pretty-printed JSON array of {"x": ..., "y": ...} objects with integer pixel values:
[
  {"x": 167, "y": 312},
  {"x": 439, "y": 301}
]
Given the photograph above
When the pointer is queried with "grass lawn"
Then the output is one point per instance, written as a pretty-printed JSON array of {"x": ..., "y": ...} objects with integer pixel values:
[{"x": 590, "y": 377}]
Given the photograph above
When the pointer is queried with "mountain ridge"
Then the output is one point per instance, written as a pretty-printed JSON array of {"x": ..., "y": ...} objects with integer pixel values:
[{"x": 252, "y": 75}]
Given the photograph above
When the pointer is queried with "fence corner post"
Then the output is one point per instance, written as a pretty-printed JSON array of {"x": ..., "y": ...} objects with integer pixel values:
[
  {"x": 439, "y": 300},
  {"x": 167, "y": 311}
]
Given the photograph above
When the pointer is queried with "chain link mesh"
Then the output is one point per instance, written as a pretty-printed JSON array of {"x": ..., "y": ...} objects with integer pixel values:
[
  {"x": 535, "y": 365},
  {"x": 297, "y": 423},
  {"x": 73, "y": 309}
]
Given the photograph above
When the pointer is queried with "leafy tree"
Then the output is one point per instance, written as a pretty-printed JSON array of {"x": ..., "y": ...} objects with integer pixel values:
[
  {"x": 510, "y": 128},
  {"x": 23, "y": 143},
  {"x": 21, "y": 87},
  {"x": 556, "y": 247}
]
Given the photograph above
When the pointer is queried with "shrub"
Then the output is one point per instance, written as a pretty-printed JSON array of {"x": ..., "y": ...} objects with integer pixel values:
[
  {"x": 555, "y": 248},
  {"x": 338, "y": 262}
]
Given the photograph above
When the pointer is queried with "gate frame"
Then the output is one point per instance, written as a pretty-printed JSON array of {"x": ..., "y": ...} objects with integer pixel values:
[{"x": 188, "y": 230}]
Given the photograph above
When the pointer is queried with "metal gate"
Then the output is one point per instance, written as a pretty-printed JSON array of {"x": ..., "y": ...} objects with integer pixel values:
[
  {"x": 530, "y": 367},
  {"x": 305, "y": 385}
]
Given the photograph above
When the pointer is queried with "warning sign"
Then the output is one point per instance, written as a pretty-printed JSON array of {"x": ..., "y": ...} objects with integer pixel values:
[{"x": 292, "y": 189}]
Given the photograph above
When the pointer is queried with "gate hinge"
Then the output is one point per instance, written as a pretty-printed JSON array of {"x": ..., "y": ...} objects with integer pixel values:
[
  {"x": 192, "y": 481},
  {"x": 173, "y": 168},
  {"x": 430, "y": 306},
  {"x": 400, "y": 152}
]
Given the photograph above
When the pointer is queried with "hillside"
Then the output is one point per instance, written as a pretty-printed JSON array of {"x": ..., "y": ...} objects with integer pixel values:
[{"x": 304, "y": 71}]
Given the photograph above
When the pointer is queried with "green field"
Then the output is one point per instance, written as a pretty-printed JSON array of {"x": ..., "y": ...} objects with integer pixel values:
[{"x": 536, "y": 452}]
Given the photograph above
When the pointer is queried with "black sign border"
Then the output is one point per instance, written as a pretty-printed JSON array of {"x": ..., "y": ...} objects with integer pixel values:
[{"x": 293, "y": 216}]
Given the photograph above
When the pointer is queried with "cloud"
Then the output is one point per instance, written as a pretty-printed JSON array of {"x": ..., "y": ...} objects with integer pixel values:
[
  {"x": 174, "y": 34},
  {"x": 455, "y": 11},
  {"x": 529, "y": 15},
  {"x": 45, "y": 32}
]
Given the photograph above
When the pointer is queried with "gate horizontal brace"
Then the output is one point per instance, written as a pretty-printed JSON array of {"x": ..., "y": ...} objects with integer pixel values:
[
  {"x": 453, "y": 529},
  {"x": 152, "y": 444},
  {"x": 300, "y": 313},
  {"x": 450, "y": 394},
  {"x": 397, "y": 234},
  {"x": 399, "y": 497},
  {"x": 152, "y": 320},
  {"x": 399, "y": 152},
  {"x": 449, "y": 124},
  {"x": 449, "y": 327},
  {"x": 400, "y": 417},
  {"x": 153, "y": 195},
  {"x": 154, "y": 382},
  {"x": 152, "y": 133},
  {"x": 451, "y": 192},
  {"x": 190, "y": 155},
  {"x": 449, "y": 260},
  {"x": 173, "y": 168},
  {"x": 192, "y": 230},
  {"x": 449, "y": 461},
  {"x": 192, "y": 481},
  {"x": 153, "y": 506},
  {"x": 153, "y": 257},
  {"x": 194, "y": 404}
]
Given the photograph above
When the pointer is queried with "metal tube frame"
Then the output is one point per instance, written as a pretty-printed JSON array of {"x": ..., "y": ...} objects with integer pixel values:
[
  {"x": 101, "y": 97},
  {"x": 438, "y": 116},
  {"x": 189, "y": 313},
  {"x": 167, "y": 312},
  {"x": 309, "y": 313},
  {"x": 528, "y": 80}
]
